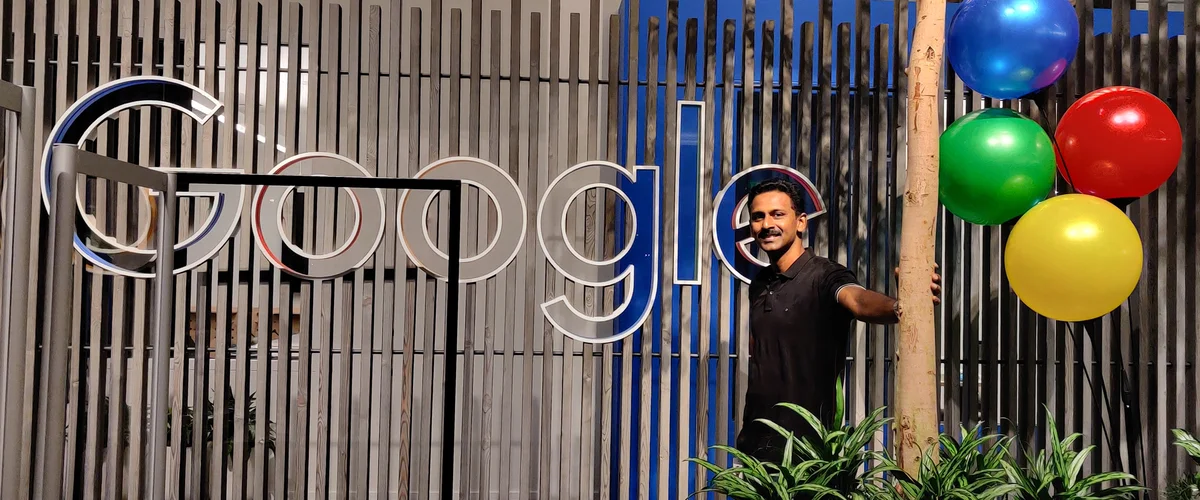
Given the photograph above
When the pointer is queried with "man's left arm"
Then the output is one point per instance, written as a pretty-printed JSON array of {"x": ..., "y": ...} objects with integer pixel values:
[
  {"x": 874, "y": 307},
  {"x": 869, "y": 306}
]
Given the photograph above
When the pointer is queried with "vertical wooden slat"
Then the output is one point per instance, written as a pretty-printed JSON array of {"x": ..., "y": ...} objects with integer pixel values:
[
  {"x": 283, "y": 381},
  {"x": 683, "y": 446},
  {"x": 725, "y": 337},
  {"x": 786, "y": 49},
  {"x": 568, "y": 482},
  {"x": 508, "y": 420},
  {"x": 267, "y": 410},
  {"x": 955, "y": 256},
  {"x": 42, "y": 32},
  {"x": 1191, "y": 155},
  {"x": 533, "y": 288},
  {"x": 93, "y": 460},
  {"x": 230, "y": 261},
  {"x": 860, "y": 256},
  {"x": 347, "y": 317},
  {"x": 594, "y": 241},
  {"x": 122, "y": 288},
  {"x": 66, "y": 39},
  {"x": 198, "y": 480},
  {"x": 804, "y": 108},
  {"x": 187, "y": 32},
  {"x": 880, "y": 265},
  {"x": 669, "y": 220},
  {"x": 6, "y": 16},
  {"x": 627, "y": 345},
  {"x": 1156, "y": 205},
  {"x": 608, "y": 399},
  {"x": 404, "y": 485},
  {"x": 823, "y": 233},
  {"x": 472, "y": 293},
  {"x": 390, "y": 320},
  {"x": 368, "y": 154},
  {"x": 327, "y": 327},
  {"x": 1176, "y": 290},
  {"x": 842, "y": 204},
  {"x": 310, "y": 292},
  {"x": 1100, "y": 338},
  {"x": 645, "y": 350},
  {"x": 137, "y": 396},
  {"x": 552, "y": 436},
  {"x": 1072, "y": 84},
  {"x": 348, "y": 291},
  {"x": 247, "y": 151},
  {"x": 432, "y": 312},
  {"x": 1139, "y": 72},
  {"x": 495, "y": 302},
  {"x": 206, "y": 155},
  {"x": 746, "y": 145},
  {"x": 484, "y": 294},
  {"x": 705, "y": 290},
  {"x": 766, "y": 94}
]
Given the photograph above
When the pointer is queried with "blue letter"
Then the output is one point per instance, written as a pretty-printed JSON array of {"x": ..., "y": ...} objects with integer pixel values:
[
  {"x": 688, "y": 154},
  {"x": 731, "y": 218}
]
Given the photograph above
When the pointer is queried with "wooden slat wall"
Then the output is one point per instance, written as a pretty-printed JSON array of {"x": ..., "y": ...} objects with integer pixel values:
[{"x": 349, "y": 371}]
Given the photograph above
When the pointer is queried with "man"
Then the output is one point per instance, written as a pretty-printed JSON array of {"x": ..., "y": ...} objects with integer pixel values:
[{"x": 801, "y": 309}]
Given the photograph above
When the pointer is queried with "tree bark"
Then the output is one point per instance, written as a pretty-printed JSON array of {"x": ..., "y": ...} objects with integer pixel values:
[{"x": 916, "y": 367}]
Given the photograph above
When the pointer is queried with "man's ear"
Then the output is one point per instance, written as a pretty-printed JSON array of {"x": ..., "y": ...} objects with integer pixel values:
[{"x": 802, "y": 222}]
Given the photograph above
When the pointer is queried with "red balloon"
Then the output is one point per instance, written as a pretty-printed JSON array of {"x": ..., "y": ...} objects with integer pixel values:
[{"x": 1118, "y": 142}]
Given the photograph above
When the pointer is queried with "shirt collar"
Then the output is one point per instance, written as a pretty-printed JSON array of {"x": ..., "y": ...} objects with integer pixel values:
[{"x": 794, "y": 269}]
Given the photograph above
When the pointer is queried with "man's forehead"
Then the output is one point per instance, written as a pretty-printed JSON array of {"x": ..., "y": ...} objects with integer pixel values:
[{"x": 771, "y": 200}]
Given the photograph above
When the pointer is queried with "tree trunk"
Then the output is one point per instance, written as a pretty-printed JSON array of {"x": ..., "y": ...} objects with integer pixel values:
[{"x": 916, "y": 372}]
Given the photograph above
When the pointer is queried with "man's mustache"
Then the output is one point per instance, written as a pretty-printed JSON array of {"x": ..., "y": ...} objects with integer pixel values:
[{"x": 769, "y": 232}]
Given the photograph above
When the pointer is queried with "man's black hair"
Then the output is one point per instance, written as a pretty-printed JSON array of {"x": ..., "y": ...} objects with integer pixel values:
[{"x": 785, "y": 186}]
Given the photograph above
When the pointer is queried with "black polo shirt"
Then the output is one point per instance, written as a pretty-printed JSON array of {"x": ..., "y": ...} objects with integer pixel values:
[{"x": 798, "y": 342}]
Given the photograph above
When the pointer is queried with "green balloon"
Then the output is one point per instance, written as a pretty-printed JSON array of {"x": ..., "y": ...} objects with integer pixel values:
[{"x": 995, "y": 165}]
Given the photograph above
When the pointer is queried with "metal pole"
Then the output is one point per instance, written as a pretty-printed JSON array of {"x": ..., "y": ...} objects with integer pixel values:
[
  {"x": 11, "y": 136},
  {"x": 162, "y": 318},
  {"x": 48, "y": 482},
  {"x": 14, "y": 323},
  {"x": 450, "y": 378}
]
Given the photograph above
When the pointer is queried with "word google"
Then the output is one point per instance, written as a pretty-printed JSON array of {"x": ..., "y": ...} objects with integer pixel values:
[{"x": 635, "y": 267}]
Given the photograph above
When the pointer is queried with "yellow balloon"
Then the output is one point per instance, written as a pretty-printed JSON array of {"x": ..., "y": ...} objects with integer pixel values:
[{"x": 1073, "y": 257}]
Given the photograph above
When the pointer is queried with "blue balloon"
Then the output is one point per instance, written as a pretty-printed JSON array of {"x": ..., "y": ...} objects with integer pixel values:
[{"x": 1005, "y": 49}]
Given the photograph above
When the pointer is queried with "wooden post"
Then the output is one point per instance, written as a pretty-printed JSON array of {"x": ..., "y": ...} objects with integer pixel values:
[{"x": 916, "y": 372}]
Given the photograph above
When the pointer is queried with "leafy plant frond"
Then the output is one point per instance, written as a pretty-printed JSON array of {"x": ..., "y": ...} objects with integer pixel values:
[
  {"x": 964, "y": 470},
  {"x": 1056, "y": 472}
]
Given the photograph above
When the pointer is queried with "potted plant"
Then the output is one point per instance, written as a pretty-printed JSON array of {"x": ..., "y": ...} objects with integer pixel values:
[
  {"x": 835, "y": 465},
  {"x": 962, "y": 471},
  {"x": 1188, "y": 487},
  {"x": 1057, "y": 473}
]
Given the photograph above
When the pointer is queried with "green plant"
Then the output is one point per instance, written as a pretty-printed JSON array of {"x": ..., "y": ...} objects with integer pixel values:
[
  {"x": 1056, "y": 474},
  {"x": 251, "y": 421},
  {"x": 230, "y": 409},
  {"x": 752, "y": 479},
  {"x": 834, "y": 464},
  {"x": 963, "y": 471},
  {"x": 1186, "y": 488},
  {"x": 1183, "y": 489}
]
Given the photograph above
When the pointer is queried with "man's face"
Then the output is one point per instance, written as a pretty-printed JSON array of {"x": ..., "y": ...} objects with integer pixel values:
[{"x": 774, "y": 222}]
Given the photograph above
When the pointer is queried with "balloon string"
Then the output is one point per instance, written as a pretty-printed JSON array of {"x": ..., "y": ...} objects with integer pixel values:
[{"x": 1042, "y": 101}]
